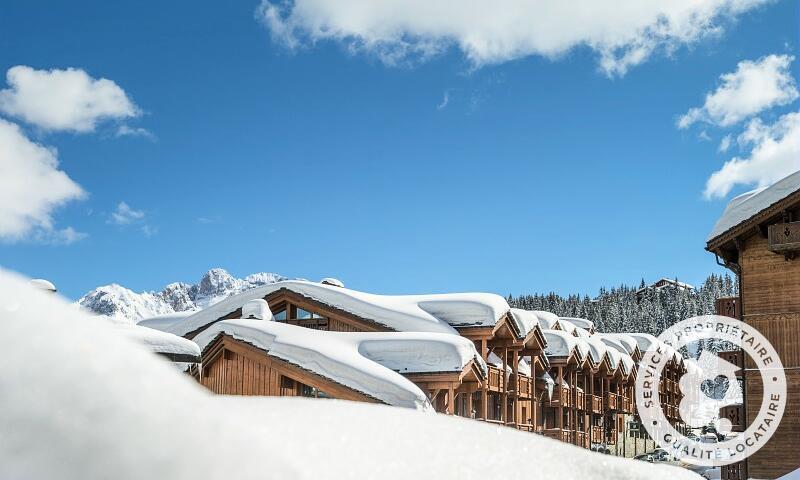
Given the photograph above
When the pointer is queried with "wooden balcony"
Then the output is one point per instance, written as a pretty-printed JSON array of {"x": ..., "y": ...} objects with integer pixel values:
[
  {"x": 597, "y": 404},
  {"x": 559, "y": 434},
  {"x": 784, "y": 237},
  {"x": 728, "y": 307},
  {"x": 612, "y": 401},
  {"x": 561, "y": 398},
  {"x": 735, "y": 357},
  {"x": 524, "y": 386},
  {"x": 495, "y": 378},
  {"x": 596, "y": 434},
  {"x": 611, "y": 439},
  {"x": 625, "y": 404},
  {"x": 582, "y": 440},
  {"x": 734, "y": 413},
  {"x": 581, "y": 401}
]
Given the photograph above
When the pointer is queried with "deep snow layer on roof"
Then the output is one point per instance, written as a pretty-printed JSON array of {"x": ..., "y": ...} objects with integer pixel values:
[
  {"x": 114, "y": 410},
  {"x": 365, "y": 362},
  {"x": 579, "y": 322},
  {"x": 547, "y": 320},
  {"x": 525, "y": 320},
  {"x": 403, "y": 313},
  {"x": 562, "y": 344},
  {"x": 749, "y": 204},
  {"x": 165, "y": 321},
  {"x": 158, "y": 341}
]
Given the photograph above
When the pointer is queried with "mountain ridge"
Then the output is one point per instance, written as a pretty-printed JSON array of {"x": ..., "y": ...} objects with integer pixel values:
[{"x": 124, "y": 305}]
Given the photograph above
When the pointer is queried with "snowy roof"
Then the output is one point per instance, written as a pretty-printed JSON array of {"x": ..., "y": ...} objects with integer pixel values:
[
  {"x": 403, "y": 313},
  {"x": 165, "y": 321},
  {"x": 567, "y": 326},
  {"x": 645, "y": 340},
  {"x": 748, "y": 205},
  {"x": 621, "y": 341},
  {"x": 580, "y": 322},
  {"x": 173, "y": 346},
  {"x": 562, "y": 344},
  {"x": 365, "y": 362},
  {"x": 547, "y": 320},
  {"x": 157, "y": 422},
  {"x": 525, "y": 320},
  {"x": 597, "y": 350}
]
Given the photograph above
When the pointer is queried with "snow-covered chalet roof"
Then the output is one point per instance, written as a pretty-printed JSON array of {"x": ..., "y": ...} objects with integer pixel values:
[
  {"x": 621, "y": 341},
  {"x": 525, "y": 320},
  {"x": 645, "y": 340},
  {"x": 403, "y": 313},
  {"x": 366, "y": 362},
  {"x": 165, "y": 321},
  {"x": 547, "y": 320},
  {"x": 580, "y": 322},
  {"x": 750, "y": 204},
  {"x": 173, "y": 346},
  {"x": 562, "y": 344}
]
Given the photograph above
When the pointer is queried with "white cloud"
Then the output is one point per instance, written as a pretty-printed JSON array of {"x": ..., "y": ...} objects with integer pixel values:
[
  {"x": 624, "y": 33},
  {"x": 31, "y": 187},
  {"x": 126, "y": 131},
  {"x": 775, "y": 153},
  {"x": 755, "y": 86},
  {"x": 124, "y": 214},
  {"x": 725, "y": 144},
  {"x": 65, "y": 236},
  {"x": 68, "y": 100},
  {"x": 445, "y": 100}
]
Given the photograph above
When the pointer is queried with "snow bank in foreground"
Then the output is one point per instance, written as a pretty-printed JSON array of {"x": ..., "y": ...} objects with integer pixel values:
[{"x": 85, "y": 403}]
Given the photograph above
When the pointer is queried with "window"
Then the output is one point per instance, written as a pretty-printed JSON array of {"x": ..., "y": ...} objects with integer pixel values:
[
  {"x": 280, "y": 316},
  {"x": 302, "y": 314},
  {"x": 312, "y": 392}
]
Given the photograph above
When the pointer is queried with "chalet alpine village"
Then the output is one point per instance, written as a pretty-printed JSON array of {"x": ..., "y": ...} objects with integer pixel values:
[{"x": 398, "y": 239}]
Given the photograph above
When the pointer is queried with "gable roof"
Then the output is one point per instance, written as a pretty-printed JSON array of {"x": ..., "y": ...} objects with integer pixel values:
[
  {"x": 402, "y": 313},
  {"x": 366, "y": 362},
  {"x": 747, "y": 207}
]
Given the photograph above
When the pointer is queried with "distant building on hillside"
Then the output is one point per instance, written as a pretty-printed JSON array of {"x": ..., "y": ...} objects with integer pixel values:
[{"x": 662, "y": 284}]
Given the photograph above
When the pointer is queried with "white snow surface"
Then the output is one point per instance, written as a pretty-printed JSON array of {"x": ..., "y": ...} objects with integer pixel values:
[
  {"x": 562, "y": 344},
  {"x": 164, "y": 321},
  {"x": 94, "y": 405},
  {"x": 748, "y": 204},
  {"x": 525, "y": 320},
  {"x": 402, "y": 313},
  {"x": 580, "y": 322},
  {"x": 366, "y": 362},
  {"x": 43, "y": 284},
  {"x": 547, "y": 320},
  {"x": 158, "y": 341},
  {"x": 257, "y": 309}
]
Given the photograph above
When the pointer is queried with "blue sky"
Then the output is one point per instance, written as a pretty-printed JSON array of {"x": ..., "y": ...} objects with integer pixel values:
[{"x": 537, "y": 174}]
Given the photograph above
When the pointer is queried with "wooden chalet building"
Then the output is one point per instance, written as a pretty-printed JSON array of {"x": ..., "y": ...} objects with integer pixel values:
[
  {"x": 529, "y": 370},
  {"x": 758, "y": 238}
]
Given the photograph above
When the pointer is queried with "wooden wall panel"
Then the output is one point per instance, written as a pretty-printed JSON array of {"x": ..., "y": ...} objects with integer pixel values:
[
  {"x": 783, "y": 331},
  {"x": 770, "y": 283},
  {"x": 781, "y": 454}
]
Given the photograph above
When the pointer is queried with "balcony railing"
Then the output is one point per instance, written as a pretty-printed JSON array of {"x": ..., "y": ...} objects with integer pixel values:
[
  {"x": 524, "y": 386},
  {"x": 582, "y": 440},
  {"x": 611, "y": 401},
  {"x": 597, "y": 404},
  {"x": 561, "y": 397},
  {"x": 734, "y": 413},
  {"x": 581, "y": 403},
  {"x": 559, "y": 434},
  {"x": 597, "y": 434},
  {"x": 612, "y": 436},
  {"x": 495, "y": 378},
  {"x": 735, "y": 357}
]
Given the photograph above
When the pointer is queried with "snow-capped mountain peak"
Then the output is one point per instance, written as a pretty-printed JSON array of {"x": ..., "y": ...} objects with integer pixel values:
[{"x": 123, "y": 304}]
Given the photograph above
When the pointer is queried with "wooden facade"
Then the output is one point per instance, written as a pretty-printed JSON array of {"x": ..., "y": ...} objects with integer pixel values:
[{"x": 768, "y": 271}]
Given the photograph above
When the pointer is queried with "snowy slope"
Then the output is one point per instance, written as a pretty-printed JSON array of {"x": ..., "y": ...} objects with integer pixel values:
[
  {"x": 86, "y": 403},
  {"x": 127, "y": 306}
]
